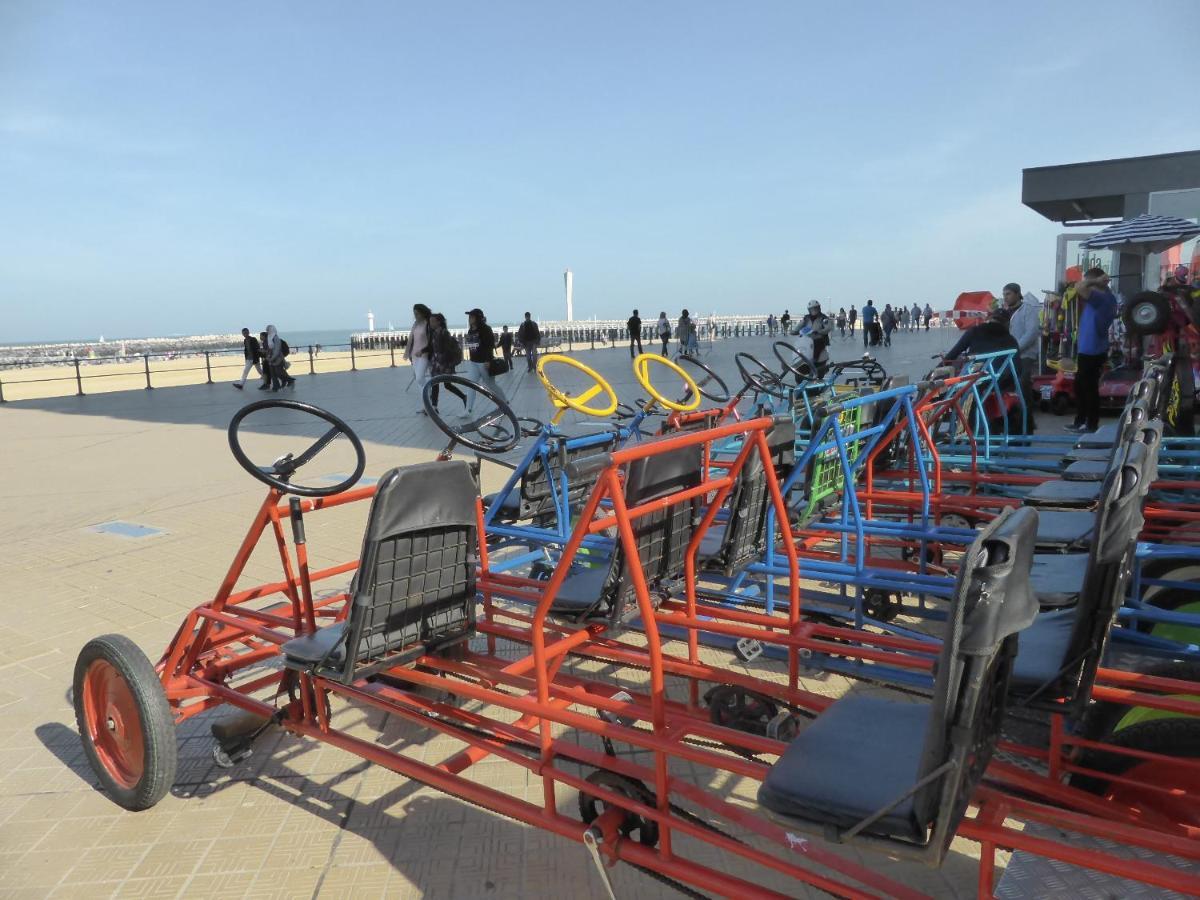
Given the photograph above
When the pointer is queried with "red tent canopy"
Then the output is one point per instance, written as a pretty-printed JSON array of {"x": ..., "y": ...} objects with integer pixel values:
[{"x": 972, "y": 307}]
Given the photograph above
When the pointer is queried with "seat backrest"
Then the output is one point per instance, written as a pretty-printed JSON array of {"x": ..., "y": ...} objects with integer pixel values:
[
  {"x": 662, "y": 536},
  {"x": 744, "y": 538},
  {"x": 415, "y": 588},
  {"x": 541, "y": 482},
  {"x": 993, "y": 601}
]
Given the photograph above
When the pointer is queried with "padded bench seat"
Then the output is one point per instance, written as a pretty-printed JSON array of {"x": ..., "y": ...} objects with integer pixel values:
[
  {"x": 1065, "y": 529},
  {"x": 1080, "y": 454},
  {"x": 310, "y": 649},
  {"x": 510, "y": 507},
  {"x": 1057, "y": 578},
  {"x": 856, "y": 757},
  {"x": 1086, "y": 470},
  {"x": 1070, "y": 494},
  {"x": 1041, "y": 650},
  {"x": 1104, "y": 436}
]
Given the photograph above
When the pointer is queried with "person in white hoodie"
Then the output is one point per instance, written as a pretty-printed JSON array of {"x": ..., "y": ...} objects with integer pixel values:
[
  {"x": 416, "y": 351},
  {"x": 1024, "y": 324}
]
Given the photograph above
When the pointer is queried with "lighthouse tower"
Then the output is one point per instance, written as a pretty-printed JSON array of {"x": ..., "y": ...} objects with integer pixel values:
[
  {"x": 569, "y": 283},
  {"x": 370, "y": 320}
]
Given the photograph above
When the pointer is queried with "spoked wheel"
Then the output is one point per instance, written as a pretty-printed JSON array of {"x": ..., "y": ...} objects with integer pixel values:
[
  {"x": 125, "y": 722},
  {"x": 590, "y": 808},
  {"x": 1151, "y": 731}
]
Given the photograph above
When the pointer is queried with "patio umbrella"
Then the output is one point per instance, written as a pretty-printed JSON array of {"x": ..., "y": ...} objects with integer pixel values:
[{"x": 1144, "y": 234}]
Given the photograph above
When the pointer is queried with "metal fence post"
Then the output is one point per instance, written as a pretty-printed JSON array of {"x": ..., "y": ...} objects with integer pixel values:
[
  {"x": 592, "y": 332},
  {"x": 146, "y": 360},
  {"x": 207, "y": 367},
  {"x": 392, "y": 350},
  {"x": 353, "y": 363},
  {"x": 1, "y": 390},
  {"x": 78, "y": 380},
  {"x": 311, "y": 370}
]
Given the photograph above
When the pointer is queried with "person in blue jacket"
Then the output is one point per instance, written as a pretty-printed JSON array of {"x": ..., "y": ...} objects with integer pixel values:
[{"x": 1091, "y": 349}]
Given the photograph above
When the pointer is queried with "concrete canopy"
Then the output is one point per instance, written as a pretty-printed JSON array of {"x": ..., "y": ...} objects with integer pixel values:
[{"x": 1107, "y": 189}]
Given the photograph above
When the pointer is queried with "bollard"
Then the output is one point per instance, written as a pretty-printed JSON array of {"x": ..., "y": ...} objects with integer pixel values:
[
  {"x": 78, "y": 380},
  {"x": 207, "y": 367},
  {"x": 1, "y": 390},
  {"x": 392, "y": 350},
  {"x": 353, "y": 364},
  {"x": 592, "y": 333},
  {"x": 311, "y": 370},
  {"x": 146, "y": 360}
]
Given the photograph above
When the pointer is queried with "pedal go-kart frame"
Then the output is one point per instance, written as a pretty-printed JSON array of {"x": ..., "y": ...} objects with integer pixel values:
[{"x": 222, "y": 648}]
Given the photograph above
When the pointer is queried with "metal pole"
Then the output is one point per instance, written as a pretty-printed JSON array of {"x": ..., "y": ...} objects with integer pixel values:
[
  {"x": 78, "y": 380},
  {"x": 1, "y": 390},
  {"x": 146, "y": 360},
  {"x": 353, "y": 363},
  {"x": 311, "y": 371},
  {"x": 207, "y": 367},
  {"x": 392, "y": 350}
]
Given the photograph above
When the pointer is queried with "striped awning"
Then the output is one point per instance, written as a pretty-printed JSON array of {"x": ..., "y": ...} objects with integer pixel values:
[{"x": 1144, "y": 234}]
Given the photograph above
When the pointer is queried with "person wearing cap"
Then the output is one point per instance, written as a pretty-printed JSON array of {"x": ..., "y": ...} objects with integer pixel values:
[
  {"x": 481, "y": 351},
  {"x": 1025, "y": 325},
  {"x": 1099, "y": 308}
]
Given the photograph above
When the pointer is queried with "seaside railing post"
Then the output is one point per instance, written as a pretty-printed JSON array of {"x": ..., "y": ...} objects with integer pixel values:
[
  {"x": 146, "y": 360},
  {"x": 311, "y": 370},
  {"x": 207, "y": 367},
  {"x": 1, "y": 390},
  {"x": 392, "y": 351},
  {"x": 78, "y": 379},
  {"x": 353, "y": 363}
]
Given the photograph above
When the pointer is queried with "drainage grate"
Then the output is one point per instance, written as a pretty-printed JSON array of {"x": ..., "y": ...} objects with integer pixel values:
[{"x": 126, "y": 529}]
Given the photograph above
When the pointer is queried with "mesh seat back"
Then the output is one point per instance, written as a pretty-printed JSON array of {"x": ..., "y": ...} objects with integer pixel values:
[
  {"x": 538, "y": 491},
  {"x": 745, "y": 538},
  {"x": 416, "y": 581}
]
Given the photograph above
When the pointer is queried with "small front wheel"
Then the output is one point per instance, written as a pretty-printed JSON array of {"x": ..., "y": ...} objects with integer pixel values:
[{"x": 125, "y": 722}]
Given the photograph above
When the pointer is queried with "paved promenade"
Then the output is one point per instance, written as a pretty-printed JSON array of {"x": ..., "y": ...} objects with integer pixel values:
[{"x": 297, "y": 819}]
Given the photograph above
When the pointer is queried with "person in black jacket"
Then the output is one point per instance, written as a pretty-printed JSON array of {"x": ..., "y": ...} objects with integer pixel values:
[
  {"x": 481, "y": 351},
  {"x": 506, "y": 345},
  {"x": 634, "y": 325},
  {"x": 444, "y": 354},
  {"x": 990, "y": 336},
  {"x": 252, "y": 351},
  {"x": 528, "y": 336}
]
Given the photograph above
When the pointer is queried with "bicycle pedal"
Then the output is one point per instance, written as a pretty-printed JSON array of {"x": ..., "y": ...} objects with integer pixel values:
[
  {"x": 783, "y": 727},
  {"x": 614, "y": 719},
  {"x": 748, "y": 649}
]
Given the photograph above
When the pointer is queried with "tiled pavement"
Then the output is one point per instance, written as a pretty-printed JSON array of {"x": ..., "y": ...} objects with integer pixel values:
[{"x": 298, "y": 819}]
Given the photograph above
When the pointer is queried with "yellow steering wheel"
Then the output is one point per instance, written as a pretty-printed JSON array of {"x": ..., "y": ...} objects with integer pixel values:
[
  {"x": 563, "y": 401},
  {"x": 641, "y": 368}
]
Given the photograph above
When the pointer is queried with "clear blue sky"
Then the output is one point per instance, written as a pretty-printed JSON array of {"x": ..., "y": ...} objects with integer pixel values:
[{"x": 191, "y": 167}]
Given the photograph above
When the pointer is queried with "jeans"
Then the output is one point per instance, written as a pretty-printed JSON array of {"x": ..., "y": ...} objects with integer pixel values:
[
  {"x": 635, "y": 339},
  {"x": 250, "y": 364},
  {"x": 480, "y": 375},
  {"x": 531, "y": 356},
  {"x": 1087, "y": 389}
]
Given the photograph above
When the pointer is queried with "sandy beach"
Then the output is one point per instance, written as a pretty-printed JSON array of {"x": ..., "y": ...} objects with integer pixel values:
[{"x": 39, "y": 382}]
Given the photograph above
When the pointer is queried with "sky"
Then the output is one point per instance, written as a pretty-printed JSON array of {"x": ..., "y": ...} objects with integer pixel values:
[{"x": 192, "y": 167}]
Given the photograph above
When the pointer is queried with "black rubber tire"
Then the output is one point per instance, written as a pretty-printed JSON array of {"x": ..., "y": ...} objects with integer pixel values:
[
  {"x": 1169, "y": 598},
  {"x": 1060, "y": 404},
  {"x": 1172, "y": 737},
  {"x": 157, "y": 724},
  {"x": 1149, "y": 312}
]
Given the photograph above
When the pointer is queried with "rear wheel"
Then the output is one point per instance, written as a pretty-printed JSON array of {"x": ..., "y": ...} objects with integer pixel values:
[
  {"x": 1173, "y": 599},
  {"x": 125, "y": 722}
]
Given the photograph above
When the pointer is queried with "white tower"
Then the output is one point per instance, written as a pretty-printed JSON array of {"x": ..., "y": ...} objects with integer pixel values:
[
  {"x": 370, "y": 320},
  {"x": 569, "y": 282}
]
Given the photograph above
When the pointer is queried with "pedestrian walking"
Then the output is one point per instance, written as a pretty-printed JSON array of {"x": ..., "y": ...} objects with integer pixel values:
[
  {"x": 851, "y": 318},
  {"x": 252, "y": 351},
  {"x": 416, "y": 351},
  {"x": 771, "y": 324},
  {"x": 445, "y": 355},
  {"x": 928, "y": 315},
  {"x": 1098, "y": 311},
  {"x": 916, "y": 317},
  {"x": 887, "y": 319},
  {"x": 870, "y": 316},
  {"x": 277, "y": 352},
  {"x": 904, "y": 318},
  {"x": 686, "y": 334},
  {"x": 664, "y": 331},
  {"x": 481, "y": 353},
  {"x": 506, "y": 345},
  {"x": 634, "y": 327},
  {"x": 841, "y": 321},
  {"x": 784, "y": 321},
  {"x": 529, "y": 336}
]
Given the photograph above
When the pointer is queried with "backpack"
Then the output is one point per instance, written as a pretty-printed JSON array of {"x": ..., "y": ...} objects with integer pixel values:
[
  {"x": 454, "y": 354},
  {"x": 284, "y": 348}
]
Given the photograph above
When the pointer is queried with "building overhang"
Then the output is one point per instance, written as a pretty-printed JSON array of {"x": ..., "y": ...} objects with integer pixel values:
[{"x": 1100, "y": 190}]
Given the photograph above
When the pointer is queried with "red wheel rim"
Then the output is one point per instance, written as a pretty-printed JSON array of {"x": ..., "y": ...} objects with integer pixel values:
[
  {"x": 113, "y": 723},
  {"x": 1183, "y": 777}
]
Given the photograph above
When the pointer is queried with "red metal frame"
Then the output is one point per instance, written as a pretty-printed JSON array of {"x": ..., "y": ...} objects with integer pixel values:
[{"x": 212, "y": 660}]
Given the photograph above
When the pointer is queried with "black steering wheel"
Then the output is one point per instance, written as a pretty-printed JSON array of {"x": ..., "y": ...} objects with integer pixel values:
[
  {"x": 760, "y": 377},
  {"x": 279, "y": 474},
  {"x": 795, "y": 362},
  {"x": 497, "y": 430},
  {"x": 719, "y": 393},
  {"x": 530, "y": 427}
]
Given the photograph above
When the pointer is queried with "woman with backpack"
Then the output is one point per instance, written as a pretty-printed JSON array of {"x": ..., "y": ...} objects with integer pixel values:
[
  {"x": 277, "y": 351},
  {"x": 481, "y": 347},
  {"x": 444, "y": 355},
  {"x": 664, "y": 331}
]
